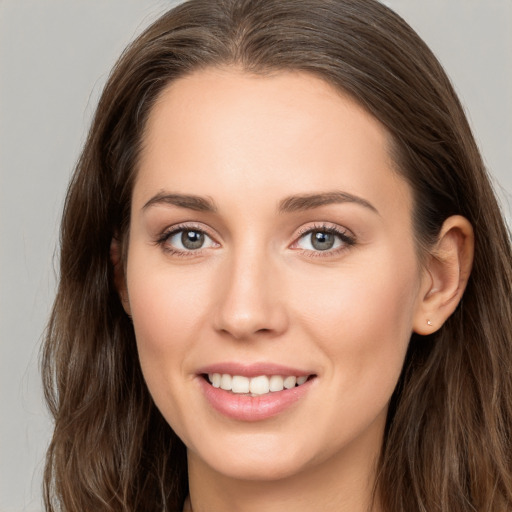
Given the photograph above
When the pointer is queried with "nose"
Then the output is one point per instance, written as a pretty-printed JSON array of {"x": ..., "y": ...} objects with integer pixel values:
[{"x": 251, "y": 300}]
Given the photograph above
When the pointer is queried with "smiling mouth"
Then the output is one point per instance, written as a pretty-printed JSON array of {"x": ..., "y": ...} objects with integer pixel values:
[{"x": 255, "y": 386}]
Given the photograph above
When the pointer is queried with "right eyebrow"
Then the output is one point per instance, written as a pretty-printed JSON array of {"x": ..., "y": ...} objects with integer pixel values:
[{"x": 191, "y": 202}]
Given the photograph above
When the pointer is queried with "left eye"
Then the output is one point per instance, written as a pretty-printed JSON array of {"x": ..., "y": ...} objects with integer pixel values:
[
  {"x": 320, "y": 240},
  {"x": 189, "y": 240}
]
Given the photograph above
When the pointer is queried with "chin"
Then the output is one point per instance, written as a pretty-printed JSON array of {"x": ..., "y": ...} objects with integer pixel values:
[{"x": 255, "y": 459}]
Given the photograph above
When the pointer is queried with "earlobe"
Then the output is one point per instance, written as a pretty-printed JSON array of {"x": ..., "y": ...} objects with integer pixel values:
[
  {"x": 446, "y": 275},
  {"x": 119, "y": 274}
]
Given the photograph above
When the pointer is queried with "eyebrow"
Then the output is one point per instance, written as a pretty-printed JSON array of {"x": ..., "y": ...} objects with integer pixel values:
[
  {"x": 310, "y": 201},
  {"x": 191, "y": 202},
  {"x": 290, "y": 204}
]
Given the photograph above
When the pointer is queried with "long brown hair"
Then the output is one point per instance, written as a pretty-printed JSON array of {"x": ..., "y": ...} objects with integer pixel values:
[{"x": 448, "y": 437}]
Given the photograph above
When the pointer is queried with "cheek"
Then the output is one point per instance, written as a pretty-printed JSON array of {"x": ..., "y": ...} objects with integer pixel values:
[
  {"x": 164, "y": 303},
  {"x": 167, "y": 308},
  {"x": 166, "y": 312},
  {"x": 362, "y": 320},
  {"x": 377, "y": 296}
]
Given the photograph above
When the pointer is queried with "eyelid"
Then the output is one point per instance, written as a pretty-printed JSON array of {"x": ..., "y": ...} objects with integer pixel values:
[{"x": 323, "y": 225}]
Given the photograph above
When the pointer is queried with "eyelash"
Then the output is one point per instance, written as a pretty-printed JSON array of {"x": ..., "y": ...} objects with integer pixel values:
[{"x": 347, "y": 240}]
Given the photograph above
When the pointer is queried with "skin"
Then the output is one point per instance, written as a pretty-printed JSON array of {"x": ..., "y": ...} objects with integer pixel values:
[{"x": 258, "y": 291}]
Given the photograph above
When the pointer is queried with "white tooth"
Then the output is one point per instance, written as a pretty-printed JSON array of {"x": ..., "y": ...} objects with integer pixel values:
[
  {"x": 276, "y": 383},
  {"x": 290, "y": 381},
  {"x": 215, "y": 379},
  {"x": 239, "y": 384},
  {"x": 259, "y": 385},
  {"x": 302, "y": 379},
  {"x": 225, "y": 382}
]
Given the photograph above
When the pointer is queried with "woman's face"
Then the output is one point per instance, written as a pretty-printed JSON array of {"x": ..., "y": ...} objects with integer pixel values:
[{"x": 270, "y": 240}]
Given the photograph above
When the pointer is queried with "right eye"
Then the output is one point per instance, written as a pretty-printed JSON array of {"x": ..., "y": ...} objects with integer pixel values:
[{"x": 185, "y": 240}]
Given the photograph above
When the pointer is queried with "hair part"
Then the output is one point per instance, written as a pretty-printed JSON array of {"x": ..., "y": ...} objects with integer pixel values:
[{"x": 447, "y": 443}]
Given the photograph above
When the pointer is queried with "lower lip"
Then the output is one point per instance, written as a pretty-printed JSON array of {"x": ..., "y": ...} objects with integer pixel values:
[{"x": 252, "y": 408}]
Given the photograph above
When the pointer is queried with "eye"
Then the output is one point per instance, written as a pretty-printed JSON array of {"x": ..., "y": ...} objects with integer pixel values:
[
  {"x": 324, "y": 239},
  {"x": 186, "y": 240}
]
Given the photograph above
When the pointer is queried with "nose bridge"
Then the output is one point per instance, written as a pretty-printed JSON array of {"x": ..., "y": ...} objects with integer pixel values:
[{"x": 249, "y": 300}]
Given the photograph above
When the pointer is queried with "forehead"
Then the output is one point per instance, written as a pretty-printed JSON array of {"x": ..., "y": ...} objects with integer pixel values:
[{"x": 232, "y": 134}]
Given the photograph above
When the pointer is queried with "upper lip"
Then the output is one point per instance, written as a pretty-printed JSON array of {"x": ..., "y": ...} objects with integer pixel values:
[{"x": 253, "y": 369}]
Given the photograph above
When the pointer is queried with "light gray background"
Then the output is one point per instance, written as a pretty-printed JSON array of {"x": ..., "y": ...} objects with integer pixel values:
[{"x": 54, "y": 58}]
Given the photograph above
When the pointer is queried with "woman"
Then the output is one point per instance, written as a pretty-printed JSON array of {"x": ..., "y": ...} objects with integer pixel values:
[{"x": 285, "y": 279}]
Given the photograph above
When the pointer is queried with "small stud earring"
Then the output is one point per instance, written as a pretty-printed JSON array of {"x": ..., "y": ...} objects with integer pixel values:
[{"x": 429, "y": 323}]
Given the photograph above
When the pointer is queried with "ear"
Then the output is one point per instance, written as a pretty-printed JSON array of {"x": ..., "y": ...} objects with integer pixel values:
[
  {"x": 119, "y": 274},
  {"x": 446, "y": 275}
]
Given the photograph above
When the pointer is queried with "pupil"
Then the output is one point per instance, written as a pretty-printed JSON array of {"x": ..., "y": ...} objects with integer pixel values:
[
  {"x": 192, "y": 239},
  {"x": 322, "y": 241}
]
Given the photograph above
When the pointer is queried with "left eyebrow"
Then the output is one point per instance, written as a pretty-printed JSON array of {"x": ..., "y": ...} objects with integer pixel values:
[{"x": 310, "y": 201}]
